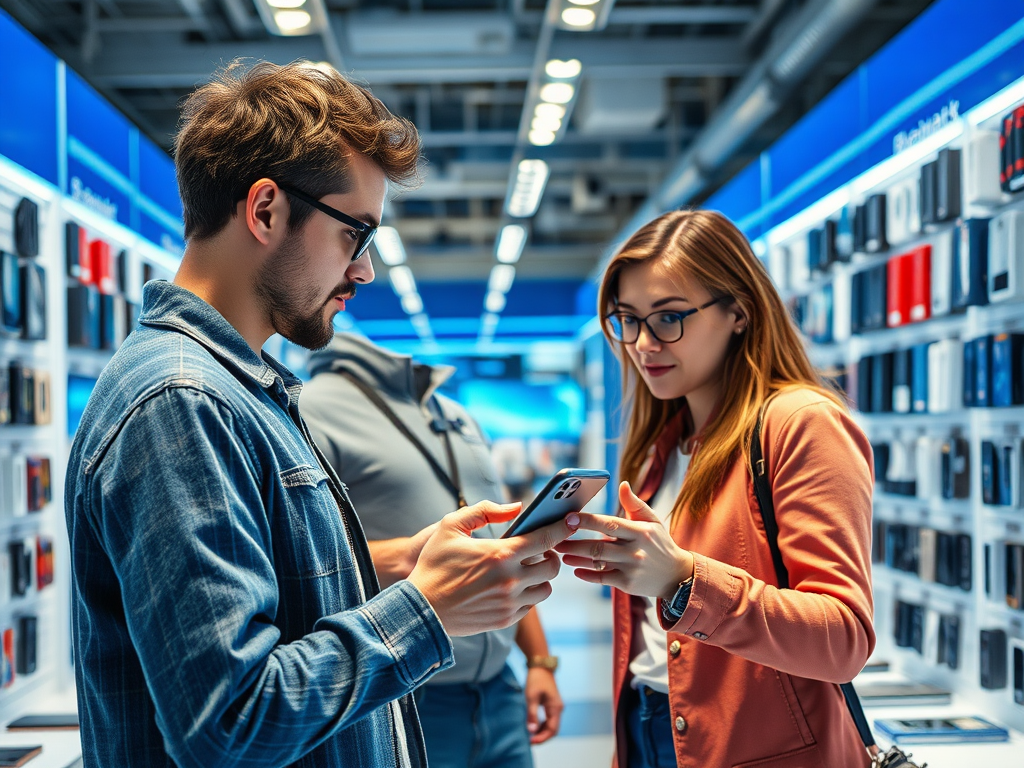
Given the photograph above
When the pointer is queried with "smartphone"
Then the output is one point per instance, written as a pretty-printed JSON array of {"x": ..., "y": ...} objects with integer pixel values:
[{"x": 568, "y": 491}]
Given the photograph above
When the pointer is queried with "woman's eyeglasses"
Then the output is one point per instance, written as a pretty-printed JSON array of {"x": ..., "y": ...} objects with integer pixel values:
[
  {"x": 364, "y": 231},
  {"x": 666, "y": 327}
]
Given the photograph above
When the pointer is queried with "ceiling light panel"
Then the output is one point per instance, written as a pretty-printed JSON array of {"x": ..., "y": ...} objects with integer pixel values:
[
  {"x": 584, "y": 15},
  {"x": 502, "y": 276},
  {"x": 402, "y": 280},
  {"x": 291, "y": 18},
  {"x": 531, "y": 178},
  {"x": 412, "y": 303},
  {"x": 389, "y": 246},
  {"x": 494, "y": 302},
  {"x": 511, "y": 241}
]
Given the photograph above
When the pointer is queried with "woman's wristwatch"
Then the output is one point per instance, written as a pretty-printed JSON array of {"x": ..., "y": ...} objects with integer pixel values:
[{"x": 672, "y": 610}]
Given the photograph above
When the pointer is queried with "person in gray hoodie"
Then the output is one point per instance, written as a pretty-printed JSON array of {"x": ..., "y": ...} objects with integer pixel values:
[{"x": 408, "y": 456}]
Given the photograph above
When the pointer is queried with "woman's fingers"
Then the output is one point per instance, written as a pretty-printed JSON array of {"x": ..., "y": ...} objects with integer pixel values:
[{"x": 615, "y": 527}]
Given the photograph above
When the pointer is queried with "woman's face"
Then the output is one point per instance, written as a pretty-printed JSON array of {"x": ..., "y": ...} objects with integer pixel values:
[{"x": 694, "y": 363}]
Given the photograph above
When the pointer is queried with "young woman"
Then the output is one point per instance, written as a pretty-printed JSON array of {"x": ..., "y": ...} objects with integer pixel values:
[{"x": 747, "y": 674}]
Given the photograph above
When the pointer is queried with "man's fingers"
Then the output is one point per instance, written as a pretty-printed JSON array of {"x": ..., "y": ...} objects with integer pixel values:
[
  {"x": 545, "y": 538},
  {"x": 469, "y": 519},
  {"x": 635, "y": 508},
  {"x": 542, "y": 571},
  {"x": 614, "y": 527},
  {"x": 531, "y": 596}
]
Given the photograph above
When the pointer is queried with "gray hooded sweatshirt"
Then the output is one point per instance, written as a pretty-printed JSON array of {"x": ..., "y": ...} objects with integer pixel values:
[{"x": 393, "y": 488}]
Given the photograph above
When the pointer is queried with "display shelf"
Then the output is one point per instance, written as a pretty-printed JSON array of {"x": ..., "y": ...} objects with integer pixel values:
[{"x": 912, "y": 584}]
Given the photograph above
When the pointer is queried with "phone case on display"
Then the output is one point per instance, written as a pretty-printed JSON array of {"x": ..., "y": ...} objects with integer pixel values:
[
  {"x": 5, "y": 395},
  {"x": 10, "y": 294},
  {"x": 102, "y": 261},
  {"x": 1007, "y": 476},
  {"x": 33, "y": 301},
  {"x": 945, "y": 559},
  {"x": 875, "y": 294},
  {"x": 42, "y": 403},
  {"x": 1006, "y": 257},
  {"x": 926, "y": 193},
  {"x": 1017, "y": 175},
  {"x": 1018, "y": 673},
  {"x": 132, "y": 314},
  {"x": 880, "y": 453},
  {"x": 829, "y": 249},
  {"x": 928, "y": 471},
  {"x": 857, "y": 282},
  {"x": 964, "y": 562},
  {"x": 13, "y": 485},
  {"x": 44, "y": 562},
  {"x": 901, "y": 624},
  {"x": 949, "y": 641},
  {"x": 947, "y": 185},
  {"x": 27, "y": 645},
  {"x": 108, "y": 322},
  {"x": 900, "y": 478},
  {"x": 1007, "y": 370},
  {"x": 919, "y": 378},
  {"x": 7, "y": 666},
  {"x": 778, "y": 267},
  {"x": 75, "y": 242},
  {"x": 931, "y": 635},
  {"x": 878, "y": 534},
  {"x": 1015, "y": 576},
  {"x": 989, "y": 472},
  {"x": 860, "y": 229},
  {"x": 26, "y": 228},
  {"x": 120, "y": 271},
  {"x": 21, "y": 567},
  {"x": 799, "y": 264},
  {"x": 928, "y": 540},
  {"x": 956, "y": 469},
  {"x": 841, "y": 298},
  {"x": 942, "y": 273},
  {"x": 987, "y": 549},
  {"x": 34, "y": 485},
  {"x": 844, "y": 235},
  {"x": 902, "y": 378},
  {"x": 895, "y": 545},
  {"x": 23, "y": 393},
  {"x": 970, "y": 375},
  {"x": 898, "y": 280},
  {"x": 920, "y": 283},
  {"x": 981, "y": 170},
  {"x": 917, "y": 621},
  {"x": 83, "y": 317},
  {"x": 1006, "y": 153},
  {"x": 862, "y": 392},
  {"x": 819, "y": 310},
  {"x": 815, "y": 262},
  {"x": 970, "y": 264},
  {"x": 903, "y": 214},
  {"x": 982, "y": 371},
  {"x": 881, "y": 383},
  {"x": 945, "y": 375},
  {"x": 875, "y": 236}
]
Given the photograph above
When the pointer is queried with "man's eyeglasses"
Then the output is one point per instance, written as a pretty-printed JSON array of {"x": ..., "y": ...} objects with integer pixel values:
[
  {"x": 364, "y": 231},
  {"x": 666, "y": 327}
]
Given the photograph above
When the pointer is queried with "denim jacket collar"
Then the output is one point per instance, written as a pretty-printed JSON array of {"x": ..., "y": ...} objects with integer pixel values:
[{"x": 166, "y": 305}]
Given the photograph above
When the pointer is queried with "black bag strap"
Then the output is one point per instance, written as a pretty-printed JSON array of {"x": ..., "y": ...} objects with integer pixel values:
[
  {"x": 763, "y": 492},
  {"x": 451, "y": 483}
]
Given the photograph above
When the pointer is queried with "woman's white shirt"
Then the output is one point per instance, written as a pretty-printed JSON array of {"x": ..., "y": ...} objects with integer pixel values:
[{"x": 650, "y": 665}]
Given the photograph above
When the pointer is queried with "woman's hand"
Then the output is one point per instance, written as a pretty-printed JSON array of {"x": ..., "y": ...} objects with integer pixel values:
[{"x": 637, "y": 554}]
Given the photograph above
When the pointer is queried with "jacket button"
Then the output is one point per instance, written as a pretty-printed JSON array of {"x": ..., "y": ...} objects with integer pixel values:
[
  {"x": 700, "y": 635},
  {"x": 675, "y": 647},
  {"x": 680, "y": 724}
]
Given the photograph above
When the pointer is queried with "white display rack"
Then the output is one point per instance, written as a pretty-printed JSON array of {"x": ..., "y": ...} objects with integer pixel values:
[
  {"x": 54, "y": 672},
  {"x": 986, "y": 524}
]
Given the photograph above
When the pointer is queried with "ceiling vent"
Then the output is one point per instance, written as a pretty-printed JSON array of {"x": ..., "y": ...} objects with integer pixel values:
[{"x": 619, "y": 105}]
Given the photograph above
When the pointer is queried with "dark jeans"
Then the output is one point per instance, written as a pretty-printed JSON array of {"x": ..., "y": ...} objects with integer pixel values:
[
  {"x": 468, "y": 725},
  {"x": 649, "y": 728}
]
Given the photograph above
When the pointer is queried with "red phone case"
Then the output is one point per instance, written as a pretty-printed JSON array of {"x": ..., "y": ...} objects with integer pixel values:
[
  {"x": 898, "y": 290},
  {"x": 920, "y": 283}
]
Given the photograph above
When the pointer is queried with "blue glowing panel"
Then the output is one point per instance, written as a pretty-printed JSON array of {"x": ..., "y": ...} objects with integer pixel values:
[
  {"x": 79, "y": 390},
  {"x": 532, "y": 298},
  {"x": 508, "y": 408},
  {"x": 97, "y": 125},
  {"x": 156, "y": 177},
  {"x": 28, "y": 101},
  {"x": 453, "y": 299},
  {"x": 740, "y": 196},
  {"x": 376, "y": 301}
]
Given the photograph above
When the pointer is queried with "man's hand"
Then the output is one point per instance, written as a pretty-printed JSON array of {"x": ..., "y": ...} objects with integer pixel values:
[
  {"x": 476, "y": 585},
  {"x": 394, "y": 559},
  {"x": 637, "y": 555},
  {"x": 541, "y": 691}
]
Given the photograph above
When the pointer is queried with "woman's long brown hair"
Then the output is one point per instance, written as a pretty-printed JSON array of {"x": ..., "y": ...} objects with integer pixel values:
[{"x": 704, "y": 246}]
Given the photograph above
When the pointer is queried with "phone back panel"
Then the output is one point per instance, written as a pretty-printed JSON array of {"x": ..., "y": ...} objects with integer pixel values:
[{"x": 568, "y": 491}]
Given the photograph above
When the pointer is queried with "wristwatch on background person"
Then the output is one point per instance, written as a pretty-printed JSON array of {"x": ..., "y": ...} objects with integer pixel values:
[
  {"x": 542, "y": 662},
  {"x": 672, "y": 610}
]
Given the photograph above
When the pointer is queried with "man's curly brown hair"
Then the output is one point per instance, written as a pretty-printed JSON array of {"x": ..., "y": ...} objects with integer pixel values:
[{"x": 295, "y": 124}]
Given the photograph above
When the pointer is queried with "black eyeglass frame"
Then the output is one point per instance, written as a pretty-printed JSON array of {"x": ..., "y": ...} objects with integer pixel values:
[
  {"x": 682, "y": 316},
  {"x": 366, "y": 231}
]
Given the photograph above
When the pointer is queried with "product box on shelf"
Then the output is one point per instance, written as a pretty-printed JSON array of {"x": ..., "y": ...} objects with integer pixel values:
[
  {"x": 946, "y": 375},
  {"x": 26, "y": 228},
  {"x": 27, "y": 645},
  {"x": 875, "y": 233},
  {"x": 33, "y": 302},
  {"x": 942, "y": 273},
  {"x": 83, "y": 316},
  {"x": 1007, "y": 369},
  {"x": 10, "y": 294},
  {"x": 102, "y": 264},
  {"x": 898, "y": 286},
  {"x": 903, "y": 214},
  {"x": 981, "y": 170},
  {"x": 919, "y": 378},
  {"x": 902, "y": 381},
  {"x": 956, "y": 468},
  {"x": 1006, "y": 257},
  {"x": 970, "y": 264}
]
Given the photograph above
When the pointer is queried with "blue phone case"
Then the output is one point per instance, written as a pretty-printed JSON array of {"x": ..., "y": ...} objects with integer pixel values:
[{"x": 568, "y": 491}]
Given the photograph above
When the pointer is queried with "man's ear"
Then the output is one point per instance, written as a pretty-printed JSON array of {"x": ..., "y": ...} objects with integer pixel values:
[{"x": 266, "y": 209}]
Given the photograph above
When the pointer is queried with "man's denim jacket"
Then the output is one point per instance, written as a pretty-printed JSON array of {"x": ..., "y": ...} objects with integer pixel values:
[{"x": 225, "y": 608}]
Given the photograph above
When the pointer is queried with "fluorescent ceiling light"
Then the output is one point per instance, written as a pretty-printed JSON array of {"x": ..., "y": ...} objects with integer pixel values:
[
  {"x": 389, "y": 246},
  {"x": 541, "y": 138},
  {"x": 550, "y": 111},
  {"x": 422, "y": 325},
  {"x": 292, "y": 21},
  {"x": 488, "y": 322},
  {"x": 579, "y": 17},
  {"x": 402, "y": 280},
  {"x": 501, "y": 278},
  {"x": 541, "y": 123},
  {"x": 561, "y": 70},
  {"x": 412, "y": 303},
  {"x": 557, "y": 93},
  {"x": 495, "y": 301},
  {"x": 531, "y": 177},
  {"x": 511, "y": 241},
  {"x": 286, "y": 3},
  {"x": 584, "y": 2}
]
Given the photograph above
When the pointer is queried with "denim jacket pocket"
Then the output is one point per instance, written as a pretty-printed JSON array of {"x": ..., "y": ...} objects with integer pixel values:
[{"x": 316, "y": 544}]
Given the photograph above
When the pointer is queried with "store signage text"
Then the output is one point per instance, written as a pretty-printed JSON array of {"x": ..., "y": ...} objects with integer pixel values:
[
  {"x": 925, "y": 128},
  {"x": 90, "y": 199}
]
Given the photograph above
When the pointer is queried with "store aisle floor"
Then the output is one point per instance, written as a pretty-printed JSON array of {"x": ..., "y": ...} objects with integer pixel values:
[{"x": 578, "y": 624}]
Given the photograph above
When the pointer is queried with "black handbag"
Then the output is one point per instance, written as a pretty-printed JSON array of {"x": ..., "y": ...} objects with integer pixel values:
[{"x": 895, "y": 757}]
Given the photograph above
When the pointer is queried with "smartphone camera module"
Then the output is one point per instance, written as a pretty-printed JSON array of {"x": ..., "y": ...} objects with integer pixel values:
[{"x": 567, "y": 489}]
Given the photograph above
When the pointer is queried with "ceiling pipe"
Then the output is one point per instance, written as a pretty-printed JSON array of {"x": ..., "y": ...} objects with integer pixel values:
[{"x": 750, "y": 105}]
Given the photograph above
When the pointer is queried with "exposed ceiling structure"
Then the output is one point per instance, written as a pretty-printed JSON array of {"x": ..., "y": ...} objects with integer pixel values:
[{"x": 469, "y": 74}]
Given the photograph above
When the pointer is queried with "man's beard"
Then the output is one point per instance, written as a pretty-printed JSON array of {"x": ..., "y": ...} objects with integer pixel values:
[{"x": 295, "y": 309}]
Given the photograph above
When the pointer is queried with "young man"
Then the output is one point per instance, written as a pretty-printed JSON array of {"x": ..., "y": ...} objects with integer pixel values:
[
  {"x": 225, "y": 607},
  {"x": 407, "y": 455}
]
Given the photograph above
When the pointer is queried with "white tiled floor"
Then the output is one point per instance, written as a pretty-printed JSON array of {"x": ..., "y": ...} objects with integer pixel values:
[{"x": 577, "y": 620}]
